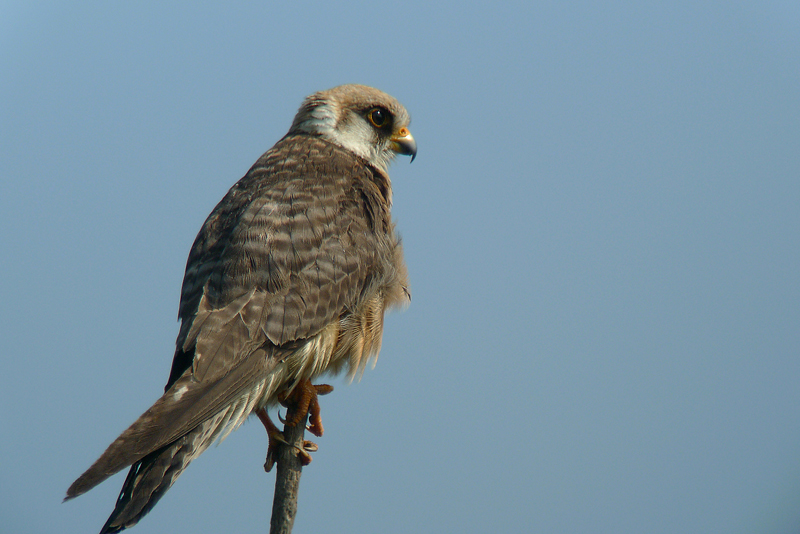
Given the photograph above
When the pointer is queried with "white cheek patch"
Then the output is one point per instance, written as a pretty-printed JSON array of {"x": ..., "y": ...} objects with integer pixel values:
[{"x": 356, "y": 136}]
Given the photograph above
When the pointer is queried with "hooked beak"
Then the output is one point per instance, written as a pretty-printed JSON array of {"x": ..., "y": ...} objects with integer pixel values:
[{"x": 403, "y": 143}]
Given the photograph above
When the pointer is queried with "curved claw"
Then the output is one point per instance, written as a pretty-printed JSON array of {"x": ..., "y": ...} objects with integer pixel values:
[{"x": 305, "y": 458}]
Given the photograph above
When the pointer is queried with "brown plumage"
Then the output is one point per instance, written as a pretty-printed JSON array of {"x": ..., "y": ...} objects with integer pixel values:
[{"x": 288, "y": 278}]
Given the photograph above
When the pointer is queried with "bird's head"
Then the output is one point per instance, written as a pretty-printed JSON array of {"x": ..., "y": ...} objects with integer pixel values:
[{"x": 364, "y": 120}]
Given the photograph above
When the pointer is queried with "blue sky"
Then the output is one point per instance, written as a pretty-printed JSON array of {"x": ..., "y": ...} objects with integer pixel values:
[{"x": 601, "y": 225}]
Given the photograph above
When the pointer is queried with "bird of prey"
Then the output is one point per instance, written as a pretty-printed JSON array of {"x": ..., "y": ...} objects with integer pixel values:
[{"x": 288, "y": 279}]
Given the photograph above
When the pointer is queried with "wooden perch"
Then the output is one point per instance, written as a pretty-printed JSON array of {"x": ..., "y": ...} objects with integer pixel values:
[{"x": 287, "y": 477}]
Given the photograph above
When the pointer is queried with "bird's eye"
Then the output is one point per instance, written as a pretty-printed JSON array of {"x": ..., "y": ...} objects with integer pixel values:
[{"x": 378, "y": 117}]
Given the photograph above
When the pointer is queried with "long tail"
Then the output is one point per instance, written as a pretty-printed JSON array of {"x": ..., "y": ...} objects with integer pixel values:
[
  {"x": 182, "y": 423},
  {"x": 189, "y": 414},
  {"x": 150, "y": 478},
  {"x": 156, "y": 465}
]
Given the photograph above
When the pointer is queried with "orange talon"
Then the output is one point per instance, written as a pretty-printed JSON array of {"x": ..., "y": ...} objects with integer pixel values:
[
  {"x": 303, "y": 399},
  {"x": 303, "y": 405},
  {"x": 274, "y": 438}
]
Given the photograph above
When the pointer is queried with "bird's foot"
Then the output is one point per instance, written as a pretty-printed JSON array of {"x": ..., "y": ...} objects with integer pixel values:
[
  {"x": 303, "y": 403},
  {"x": 275, "y": 439}
]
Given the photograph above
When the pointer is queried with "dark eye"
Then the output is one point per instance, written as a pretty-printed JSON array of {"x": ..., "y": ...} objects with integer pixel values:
[{"x": 378, "y": 117}]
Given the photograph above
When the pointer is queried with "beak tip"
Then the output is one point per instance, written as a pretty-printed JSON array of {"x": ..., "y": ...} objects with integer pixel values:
[{"x": 403, "y": 143}]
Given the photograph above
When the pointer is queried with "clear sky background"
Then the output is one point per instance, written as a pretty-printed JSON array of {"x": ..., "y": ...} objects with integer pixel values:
[{"x": 602, "y": 228}]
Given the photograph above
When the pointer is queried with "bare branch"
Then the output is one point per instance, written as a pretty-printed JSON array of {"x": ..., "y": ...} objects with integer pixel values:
[{"x": 287, "y": 478}]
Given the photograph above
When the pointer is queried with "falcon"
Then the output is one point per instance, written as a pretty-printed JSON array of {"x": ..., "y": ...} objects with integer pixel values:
[{"x": 289, "y": 278}]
